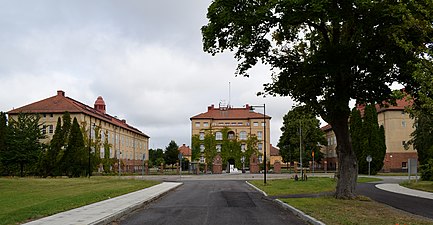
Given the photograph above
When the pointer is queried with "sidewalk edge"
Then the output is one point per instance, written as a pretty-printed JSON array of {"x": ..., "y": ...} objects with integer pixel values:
[
  {"x": 294, "y": 210},
  {"x": 129, "y": 209}
]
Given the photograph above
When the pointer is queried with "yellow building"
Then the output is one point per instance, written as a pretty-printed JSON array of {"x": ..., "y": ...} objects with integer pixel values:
[
  {"x": 398, "y": 126},
  {"x": 241, "y": 122},
  {"x": 127, "y": 143}
]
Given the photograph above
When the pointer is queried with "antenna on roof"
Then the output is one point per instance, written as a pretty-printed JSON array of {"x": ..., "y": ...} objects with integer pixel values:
[{"x": 229, "y": 95}]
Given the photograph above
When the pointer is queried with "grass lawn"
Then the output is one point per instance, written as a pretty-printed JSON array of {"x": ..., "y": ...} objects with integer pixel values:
[
  {"x": 420, "y": 185},
  {"x": 312, "y": 186},
  {"x": 361, "y": 211},
  {"x": 22, "y": 199},
  {"x": 332, "y": 211}
]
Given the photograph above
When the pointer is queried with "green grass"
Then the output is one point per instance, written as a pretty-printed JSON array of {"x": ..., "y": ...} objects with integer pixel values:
[
  {"x": 360, "y": 211},
  {"x": 312, "y": 186},
  {"x": 333, "y": 211},
  {"x": 420, "y": 185},
  {"x": 23, "y": 199}
]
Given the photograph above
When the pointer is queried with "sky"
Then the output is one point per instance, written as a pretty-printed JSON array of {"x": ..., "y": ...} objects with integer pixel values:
[{"x": 144, "y": 58}]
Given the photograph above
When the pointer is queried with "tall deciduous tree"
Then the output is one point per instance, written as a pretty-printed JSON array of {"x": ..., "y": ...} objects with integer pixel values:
[
  {"x": 302, "y": 119},
  {"x": 325, "y": 53},
  {"x": 3, "y": 137}
]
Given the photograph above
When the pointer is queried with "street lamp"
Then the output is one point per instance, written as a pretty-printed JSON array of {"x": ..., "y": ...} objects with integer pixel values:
[
  {"x": 264, "y": 134},
  {"x": 243, "y": 164}
]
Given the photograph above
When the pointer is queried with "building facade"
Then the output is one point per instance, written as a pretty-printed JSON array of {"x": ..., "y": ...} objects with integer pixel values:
[
  {"x": 398, "y": 126},
  {"x": 241, "y": 122},
  {"x": 128, "y": 144}
]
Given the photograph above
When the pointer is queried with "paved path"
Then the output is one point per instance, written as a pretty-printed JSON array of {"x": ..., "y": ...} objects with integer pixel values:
[
  {"x": 212, "y": 202},
  {"x": 396, "y": 188},
  {"x": 108, "y": 210},
  {"x": 399, "y": 198}
]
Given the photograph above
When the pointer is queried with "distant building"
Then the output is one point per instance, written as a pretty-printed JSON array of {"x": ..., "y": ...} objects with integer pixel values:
[
  {"x": 275, "y": 155},
  {"x": 186, "y": 152},
  {"x": 398, "y": 126},
  {"x": 127, "y": 142},
  {"x": 241, "y": 122}
]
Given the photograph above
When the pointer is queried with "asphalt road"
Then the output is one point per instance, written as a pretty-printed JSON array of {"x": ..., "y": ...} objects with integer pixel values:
[
  {"x": 212, "y": 202},
  {"x": 415, "y": 205}
]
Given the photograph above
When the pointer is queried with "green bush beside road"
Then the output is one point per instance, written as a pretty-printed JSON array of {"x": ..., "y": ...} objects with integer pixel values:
[{"x": 24, "y": 199}]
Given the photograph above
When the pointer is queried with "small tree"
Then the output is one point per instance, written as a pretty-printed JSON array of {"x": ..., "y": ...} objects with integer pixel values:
[
  {"x": 195, "y": 147},
  {"x": 171, "y": 153}
]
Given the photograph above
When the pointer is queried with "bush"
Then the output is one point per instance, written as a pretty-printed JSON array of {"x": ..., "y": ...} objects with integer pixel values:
[{"x": 427, "y": 171}]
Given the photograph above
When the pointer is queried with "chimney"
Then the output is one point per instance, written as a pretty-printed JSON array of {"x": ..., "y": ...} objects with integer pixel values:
[
  {"x": 210, "y": 107},
  {"x": 60, "y": 93},
  {"x": 247, "y": 106},
  {"x": 123, "y": 121}
]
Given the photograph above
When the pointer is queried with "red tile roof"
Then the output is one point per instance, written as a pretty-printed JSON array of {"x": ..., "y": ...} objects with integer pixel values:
[
  {"x": 229, "y": 113},
  {"x": 60, "y": 104},
  {"x": 185, "y": 150},
  {"x": 274, "y": 151}
]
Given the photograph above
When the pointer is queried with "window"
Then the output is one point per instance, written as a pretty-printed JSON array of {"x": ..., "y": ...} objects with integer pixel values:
[
  {"x": 205, "y": 124},
  {"x": 231, "y": 135},
  {"x": 201, "y": 159},
  {"x": 240, "y": 124},
  {"x": 44, "y": 115},
  {"x": 243, "y": 135},
  {"x": 259, "y": 135},
  {"x": 243, "y": 147},
  {"x": 197, "y": 124},
  {"x": 263, "y": 124},
  {"x": 260, "y": 146},
  {"x": 44, "y": 129},
  {"x": 329, "y": 141},
  {"x": 256, "y": 124},
  {"x": 218, "y": 147},
  {"x": 403, "y": 123},
  {"x": 233, "y": 123},
  {"x": 201, "y": 135},
  {"x": 201, "y": 148},
  {"x": 51, "y": 129},
  {"x": 404, "y": 165},
  {"x": 218, "y": 136},
  {"x": 51, "y": 115}
]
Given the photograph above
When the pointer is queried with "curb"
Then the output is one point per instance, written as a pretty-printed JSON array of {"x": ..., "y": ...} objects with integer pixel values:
[
  {"x": 129, "y": 209},
  {"x": 294, "y": 210}
]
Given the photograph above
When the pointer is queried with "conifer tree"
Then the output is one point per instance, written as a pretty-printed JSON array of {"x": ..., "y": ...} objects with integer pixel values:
[
  {"x": 51, "y": 163},
  {"x": 3, "y": 136},
  {"x": 74, "y": 158}
]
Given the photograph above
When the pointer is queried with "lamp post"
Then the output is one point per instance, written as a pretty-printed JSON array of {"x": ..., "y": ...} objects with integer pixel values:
[
  {"x": 264, "y": 138},
  {"x": 243, "y": 164}
]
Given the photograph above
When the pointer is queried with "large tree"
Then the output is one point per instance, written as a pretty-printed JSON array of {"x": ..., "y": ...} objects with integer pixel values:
[
  {"x": 75, "y": 157},
  {"x": 300, "y": 125},
  {"x": 324, "y": 53},
  {"x": 23, "y": 145},
  {"x": 3, "y": 136}
]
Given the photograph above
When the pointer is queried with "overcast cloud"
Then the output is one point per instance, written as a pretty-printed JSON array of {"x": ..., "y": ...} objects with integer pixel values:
[{"x": 144, "y": 58}]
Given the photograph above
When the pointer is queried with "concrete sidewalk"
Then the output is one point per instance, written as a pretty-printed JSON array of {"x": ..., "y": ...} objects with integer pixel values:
[
  {"x": 106, "y": 211},
  {"x": 396, "y": 188}
]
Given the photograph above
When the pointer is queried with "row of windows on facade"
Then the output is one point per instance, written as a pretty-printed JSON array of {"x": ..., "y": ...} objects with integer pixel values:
[
  {"x": 202, "y": 159},
  {"x": 231, "y": 135},
  {"x": 206, "y": 124},
  {"x": 124, "y": 140},
  {"x": 243, "y": 147},
  {"x": 124, "y": 155}
]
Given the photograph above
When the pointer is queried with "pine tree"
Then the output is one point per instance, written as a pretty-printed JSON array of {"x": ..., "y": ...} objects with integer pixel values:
[
  {"x": 51, "y": 163},
  {"x": 75, "y": 157}
]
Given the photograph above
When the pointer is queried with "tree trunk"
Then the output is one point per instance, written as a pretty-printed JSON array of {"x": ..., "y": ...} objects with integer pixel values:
[{"x": 347, "y": 163}]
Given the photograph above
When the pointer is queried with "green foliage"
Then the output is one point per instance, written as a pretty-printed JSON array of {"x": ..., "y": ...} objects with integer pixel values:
[
  {"x": 368, "y": 139},
  {"x": 325, "y": 53},
  {"x": 301, "y": 117},
  {"x": 427, "y": 170},
  {"x": 75, "y": 158},
  {"x": 23, "y": 146},
  {"x": 3, "y": 137},
  {"x": 107, "y": 162},
  {"x": 195, "y": 147},
  {"x": 156, "y": 157},
  {"x": 209, "y": 143},
  {"x": 421, "y": 137},
  {"x": 171, "y": 153}
]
